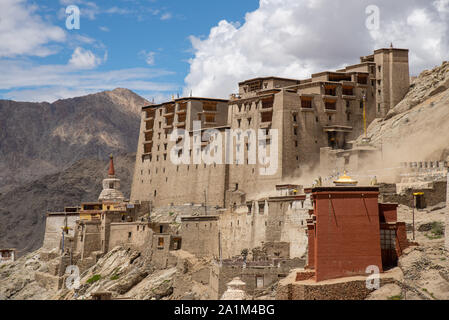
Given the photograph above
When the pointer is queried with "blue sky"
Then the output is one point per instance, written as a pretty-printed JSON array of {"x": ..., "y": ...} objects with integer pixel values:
[
  {"x": 127, "y": 34},
  {"x": 158, "y": 48}
]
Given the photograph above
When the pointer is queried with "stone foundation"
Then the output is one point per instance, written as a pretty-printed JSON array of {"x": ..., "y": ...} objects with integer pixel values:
[{"x": 350, "y": 288}]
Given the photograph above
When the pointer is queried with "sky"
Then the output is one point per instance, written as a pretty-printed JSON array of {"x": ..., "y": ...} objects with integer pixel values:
[{"x": 161, "y": 48}]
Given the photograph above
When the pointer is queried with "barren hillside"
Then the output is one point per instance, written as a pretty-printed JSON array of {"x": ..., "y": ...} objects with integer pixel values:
[
  {"x": 38, "y": 139},
  {"x": 418, "y": 127}
]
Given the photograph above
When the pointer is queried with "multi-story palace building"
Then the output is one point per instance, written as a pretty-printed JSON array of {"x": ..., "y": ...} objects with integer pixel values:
[{"x": 324, "y": 111}]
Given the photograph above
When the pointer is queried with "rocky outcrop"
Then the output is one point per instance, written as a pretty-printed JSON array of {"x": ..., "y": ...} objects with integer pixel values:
[
  {"x": 416, "y": 129},
  {"x": 428, "y": 84}
]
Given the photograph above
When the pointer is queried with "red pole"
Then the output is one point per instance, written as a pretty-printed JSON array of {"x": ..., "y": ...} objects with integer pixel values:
[{"x": 413, "y": 217}]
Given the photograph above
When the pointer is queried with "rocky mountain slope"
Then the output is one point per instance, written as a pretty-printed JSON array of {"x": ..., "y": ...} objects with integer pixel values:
[
  {"x": 23, "y": 209},
  {"x": 417, "y": 128},
  {"x": 38, "y": 139}
]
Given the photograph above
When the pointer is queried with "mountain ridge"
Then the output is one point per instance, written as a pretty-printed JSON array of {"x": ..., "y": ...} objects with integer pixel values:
[{"x": 37, "y": 139}]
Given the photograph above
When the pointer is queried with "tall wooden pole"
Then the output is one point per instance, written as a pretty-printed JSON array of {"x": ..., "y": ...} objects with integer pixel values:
[{"x": 364, "y": 115}]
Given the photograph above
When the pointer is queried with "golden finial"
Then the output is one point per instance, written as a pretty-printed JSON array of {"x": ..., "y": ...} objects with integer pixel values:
[{"x": 345, "y": 180}]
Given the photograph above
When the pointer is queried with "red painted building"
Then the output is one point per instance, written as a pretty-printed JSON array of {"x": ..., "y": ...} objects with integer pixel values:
[{"x": 350, "y": 230}]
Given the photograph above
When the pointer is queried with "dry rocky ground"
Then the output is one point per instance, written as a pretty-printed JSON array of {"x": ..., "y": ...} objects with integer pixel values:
[
  {"x": 423, "y": 272},
  {"x": 420, "y": 119}
]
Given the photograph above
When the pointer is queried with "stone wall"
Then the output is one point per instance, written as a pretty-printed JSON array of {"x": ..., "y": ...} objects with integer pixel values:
[
  {"x": 268, "y": 273},
  {"x": 200, "y": 235},
  {"x": 87, "y": 238},
  {"x": 53, "y": 232},
  {"x": 351, "y": 288},
  {"x": 434, "y": 193},
  {"x": 136, "y": 234},
  {"x": 268, "y": 221}
]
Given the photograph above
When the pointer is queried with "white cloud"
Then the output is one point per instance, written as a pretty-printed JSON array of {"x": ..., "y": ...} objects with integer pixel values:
[
  {"x": 166, "y": 16},
  {"x": 23, "y": 32},
  {"x": 84, "y": 59},
  {"x": 148, "y": 56},
  {"x": 442, "y": 6},
  {"x": 104, "y": 29},
  {"x": 292, "y": 38},
  {"x": 26, "y": 81},
  {"x": 117, "y": 10}
]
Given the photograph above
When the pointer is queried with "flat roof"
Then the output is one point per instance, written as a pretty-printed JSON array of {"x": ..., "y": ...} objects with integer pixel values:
[
  {"x": 333, "y": 189},
  {"x": 287, "y": 186},
  {"x": 258, "y": 97},
  {"x": 155, "y": 106},
  {"x": 287, "y": 198},
  {"x": 68, "y": 214},
  {"x": 199, "y": 218},
  {"x": 268, "y": 78},
  {"x": 391, "y": 49}
]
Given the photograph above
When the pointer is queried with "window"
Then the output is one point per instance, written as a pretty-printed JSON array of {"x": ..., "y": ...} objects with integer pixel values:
[
  {"x": 130, "y": 235},
  {"x": 295, "y": 118},
  {"x": 348, "y": 91},
  {"x": 330, "y": 105},
  {"x": 306, "y": 103},
  {"x": 259, "y": 282},
  {"x": 160, "y": 242},
  {"x": 111, "y": 185},
  {"x": 387, "y": 239}
]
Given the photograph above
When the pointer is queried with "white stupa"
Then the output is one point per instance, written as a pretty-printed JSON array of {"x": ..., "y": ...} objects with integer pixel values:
[
  {"x": 235, "y": 291},
  {"x": 111, "y": 186}
]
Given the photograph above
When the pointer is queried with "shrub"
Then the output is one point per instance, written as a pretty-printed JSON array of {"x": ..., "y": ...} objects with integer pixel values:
[
  {"x": 437, "y": 231},
  {"x": 94, "y": 279}
]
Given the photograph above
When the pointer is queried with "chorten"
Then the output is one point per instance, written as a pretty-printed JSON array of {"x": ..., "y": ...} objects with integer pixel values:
[
  {"x": 235, "y": 291},
  {"x": 111, "y": 186}
]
